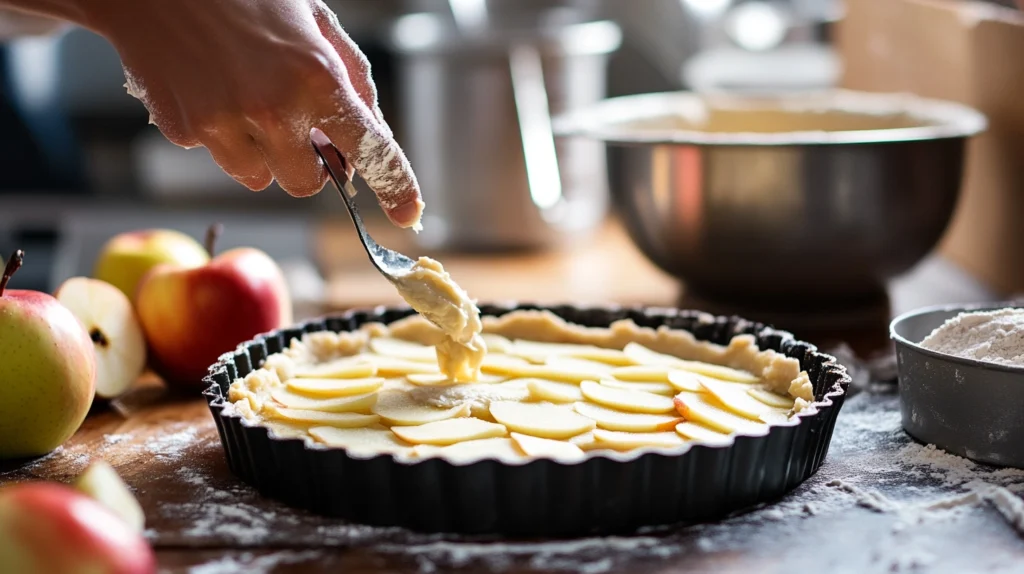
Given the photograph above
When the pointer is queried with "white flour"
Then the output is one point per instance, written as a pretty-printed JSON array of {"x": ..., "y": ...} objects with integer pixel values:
[
  {"x": 171, "y": 446},
  {"x": 990, "y": 336},
  {"x": 247, "y": 563},
  {"x": 384, "y": 167}
]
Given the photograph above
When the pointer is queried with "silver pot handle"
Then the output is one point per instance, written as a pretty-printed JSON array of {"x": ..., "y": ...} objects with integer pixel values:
[{"x": 531, "y": 100}]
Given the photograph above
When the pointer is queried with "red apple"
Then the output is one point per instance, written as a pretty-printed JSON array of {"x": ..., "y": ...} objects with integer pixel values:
[
  {"x": 47, "y": 370},
  {"x": 49, "y": 528},
  {"x": 192, "y": 315}
]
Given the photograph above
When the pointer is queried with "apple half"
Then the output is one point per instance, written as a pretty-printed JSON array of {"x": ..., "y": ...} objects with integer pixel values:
[{"x": 109, "y": 318}]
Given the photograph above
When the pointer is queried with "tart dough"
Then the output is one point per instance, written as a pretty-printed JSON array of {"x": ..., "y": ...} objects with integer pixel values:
[
  {"x": 540, "y": 387},
  {"x": 429, "y": 289}
]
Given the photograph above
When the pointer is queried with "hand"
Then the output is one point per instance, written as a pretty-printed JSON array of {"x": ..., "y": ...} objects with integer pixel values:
[{"x": 249, "y": 79}]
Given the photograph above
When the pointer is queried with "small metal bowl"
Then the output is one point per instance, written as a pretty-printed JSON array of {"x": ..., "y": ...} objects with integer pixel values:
[
  {"x": 736, "y": 194},
  {"x": 963, "y": 406}
]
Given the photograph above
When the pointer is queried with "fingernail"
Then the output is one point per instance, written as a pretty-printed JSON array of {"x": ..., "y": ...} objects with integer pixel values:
[{"x": 407, "y": 214}]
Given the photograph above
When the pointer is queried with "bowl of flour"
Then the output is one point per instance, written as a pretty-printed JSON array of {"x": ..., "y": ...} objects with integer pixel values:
[{"x": 961, "y": 380}]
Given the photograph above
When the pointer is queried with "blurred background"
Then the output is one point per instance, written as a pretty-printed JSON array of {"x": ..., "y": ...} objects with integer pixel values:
[{"x": 79, "y": 162}]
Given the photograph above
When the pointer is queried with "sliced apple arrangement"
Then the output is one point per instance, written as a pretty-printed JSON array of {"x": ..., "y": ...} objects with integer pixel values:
[{"x": 534, "y": 399}]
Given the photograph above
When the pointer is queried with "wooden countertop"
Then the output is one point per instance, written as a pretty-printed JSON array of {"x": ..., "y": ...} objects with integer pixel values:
[{"x": 203, "y": 520}]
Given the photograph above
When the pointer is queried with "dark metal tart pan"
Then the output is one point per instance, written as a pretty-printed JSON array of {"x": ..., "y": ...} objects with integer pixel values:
[{"x": 603, "y": 494}]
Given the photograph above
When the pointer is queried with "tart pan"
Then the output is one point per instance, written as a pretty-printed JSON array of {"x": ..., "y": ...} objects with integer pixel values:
[
  {"x": 606, "y": 493},
  {"x": 963, "y": 406}
]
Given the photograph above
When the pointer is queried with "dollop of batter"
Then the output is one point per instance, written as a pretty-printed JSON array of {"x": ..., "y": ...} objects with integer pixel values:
[{"x": 430, "y": 290}]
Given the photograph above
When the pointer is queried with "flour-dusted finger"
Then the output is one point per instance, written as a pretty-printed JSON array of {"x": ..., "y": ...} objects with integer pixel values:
[{"x": 377, "y": 158}]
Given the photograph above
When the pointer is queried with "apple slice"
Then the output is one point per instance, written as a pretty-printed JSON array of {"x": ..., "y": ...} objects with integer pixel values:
[
  {"x": 400, "y": 408},
  {"x": 554, "y": 391},
  {"x": 109, "y": 318},
  {"x": 644, "y": 356},
  {"x": 582, "y": 365},
  {"x": 401, "y": 349},
  {"x": 685, "y": 381},
  {"x": 654, "y": 387},
  {"x": 700, "y": 433},
  {"x": 451, "y": 431},
  {"x": 496, "y": 343},
  {"x": 344, "y": 368},
  {"x": 514, "y": 367},
  {"x": 546, "y": 448},
  {"x": 503, "y": 449},
  {"x": 395, "y": 367},
  {"x": 440, "y": 379},
  {"x": 626, "y": 400},
  {"x": 611, "y": 419},
  {"x": 360, "y": 440},
  {"x": 771, "y": 399},
  {"x": 102, "y": 483},
  {"x": 641, "y": 373},
  {"x": 335, "y": 387},
  {"x": 537, "y": 352},
  {"x": 352, "y": 404},
  {"x": 618, "y": 440},
  {"x": 584, "y": 441},
  {"x": 540, "y": 420},
  {"x": 339, "y": 420},
  {"x": 705, "y": 409},
  {"x": 737, "y": 400}
]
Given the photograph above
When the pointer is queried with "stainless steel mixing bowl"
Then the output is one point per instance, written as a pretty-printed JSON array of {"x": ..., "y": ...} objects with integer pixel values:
[{"x": 739, "y": 196}]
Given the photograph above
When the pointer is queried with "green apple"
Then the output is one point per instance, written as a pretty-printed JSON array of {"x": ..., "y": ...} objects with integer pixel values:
[
  {"x": 127, "y": 257},
  {"x": 47, "y": 370}
]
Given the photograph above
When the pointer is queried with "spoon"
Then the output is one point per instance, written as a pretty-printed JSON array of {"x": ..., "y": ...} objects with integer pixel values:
[{"x": 391, "y": 264}]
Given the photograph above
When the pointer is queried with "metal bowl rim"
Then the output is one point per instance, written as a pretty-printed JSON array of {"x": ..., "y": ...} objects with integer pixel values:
[
  {"x": 607, "y": 120},
  {"x": 950, "y": 308}
]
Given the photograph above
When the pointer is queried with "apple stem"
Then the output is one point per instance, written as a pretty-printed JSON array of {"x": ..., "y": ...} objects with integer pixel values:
[
  {"x": 212, "y": 234},
  {"x": 12, "y": 266}
]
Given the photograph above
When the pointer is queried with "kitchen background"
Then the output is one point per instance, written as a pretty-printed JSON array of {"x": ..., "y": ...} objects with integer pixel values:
[{"x": 79, "y": 163}]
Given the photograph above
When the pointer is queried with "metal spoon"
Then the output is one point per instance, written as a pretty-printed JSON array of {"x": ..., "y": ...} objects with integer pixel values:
[{"x": 391, "y": 264}]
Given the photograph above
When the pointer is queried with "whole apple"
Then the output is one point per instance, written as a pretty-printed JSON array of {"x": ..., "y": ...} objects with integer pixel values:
[
  {"x": 127, "y": 257},
  {"x": 47, "y": 370},
  {"x": 49, "y": 528},
  {"x": 191, "y": 316}
]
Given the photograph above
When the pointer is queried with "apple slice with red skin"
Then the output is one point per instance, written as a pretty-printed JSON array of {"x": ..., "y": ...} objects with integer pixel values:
[{"x": 50, "y": 528}]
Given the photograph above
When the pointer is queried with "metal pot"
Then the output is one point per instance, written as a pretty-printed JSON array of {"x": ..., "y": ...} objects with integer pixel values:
[
  {"x": 476, "y": 115},
  {"x": 740, "y": 195}
]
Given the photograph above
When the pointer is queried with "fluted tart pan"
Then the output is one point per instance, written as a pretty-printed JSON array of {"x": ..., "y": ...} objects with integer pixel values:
[{"x": 606, "y": 493}]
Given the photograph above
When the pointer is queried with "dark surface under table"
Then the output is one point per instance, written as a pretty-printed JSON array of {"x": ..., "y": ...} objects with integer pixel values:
[{"x": 880, "y": 503}]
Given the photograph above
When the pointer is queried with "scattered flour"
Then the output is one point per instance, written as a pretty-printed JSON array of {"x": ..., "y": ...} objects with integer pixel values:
[
  {"x": 171, "y": 446},
  {"x": 112, "y": 439},
  {"x": 990, "y": 336},
  {"x": 247, "y": 563},
  {"x": 586, "y": 556}
]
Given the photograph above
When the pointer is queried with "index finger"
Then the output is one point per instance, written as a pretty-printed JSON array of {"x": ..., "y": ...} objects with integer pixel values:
[{"x": 378, "y": 159}]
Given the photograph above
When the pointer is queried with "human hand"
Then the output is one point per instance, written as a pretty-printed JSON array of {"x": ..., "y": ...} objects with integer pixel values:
[{"x": 249, "y": 79}]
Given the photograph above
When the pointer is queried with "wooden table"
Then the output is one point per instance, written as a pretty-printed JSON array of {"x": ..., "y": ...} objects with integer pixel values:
[{"x": 202, "y": 519}]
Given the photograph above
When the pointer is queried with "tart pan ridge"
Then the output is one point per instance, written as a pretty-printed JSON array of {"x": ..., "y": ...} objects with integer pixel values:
[{"x": 606, "y": 493}]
